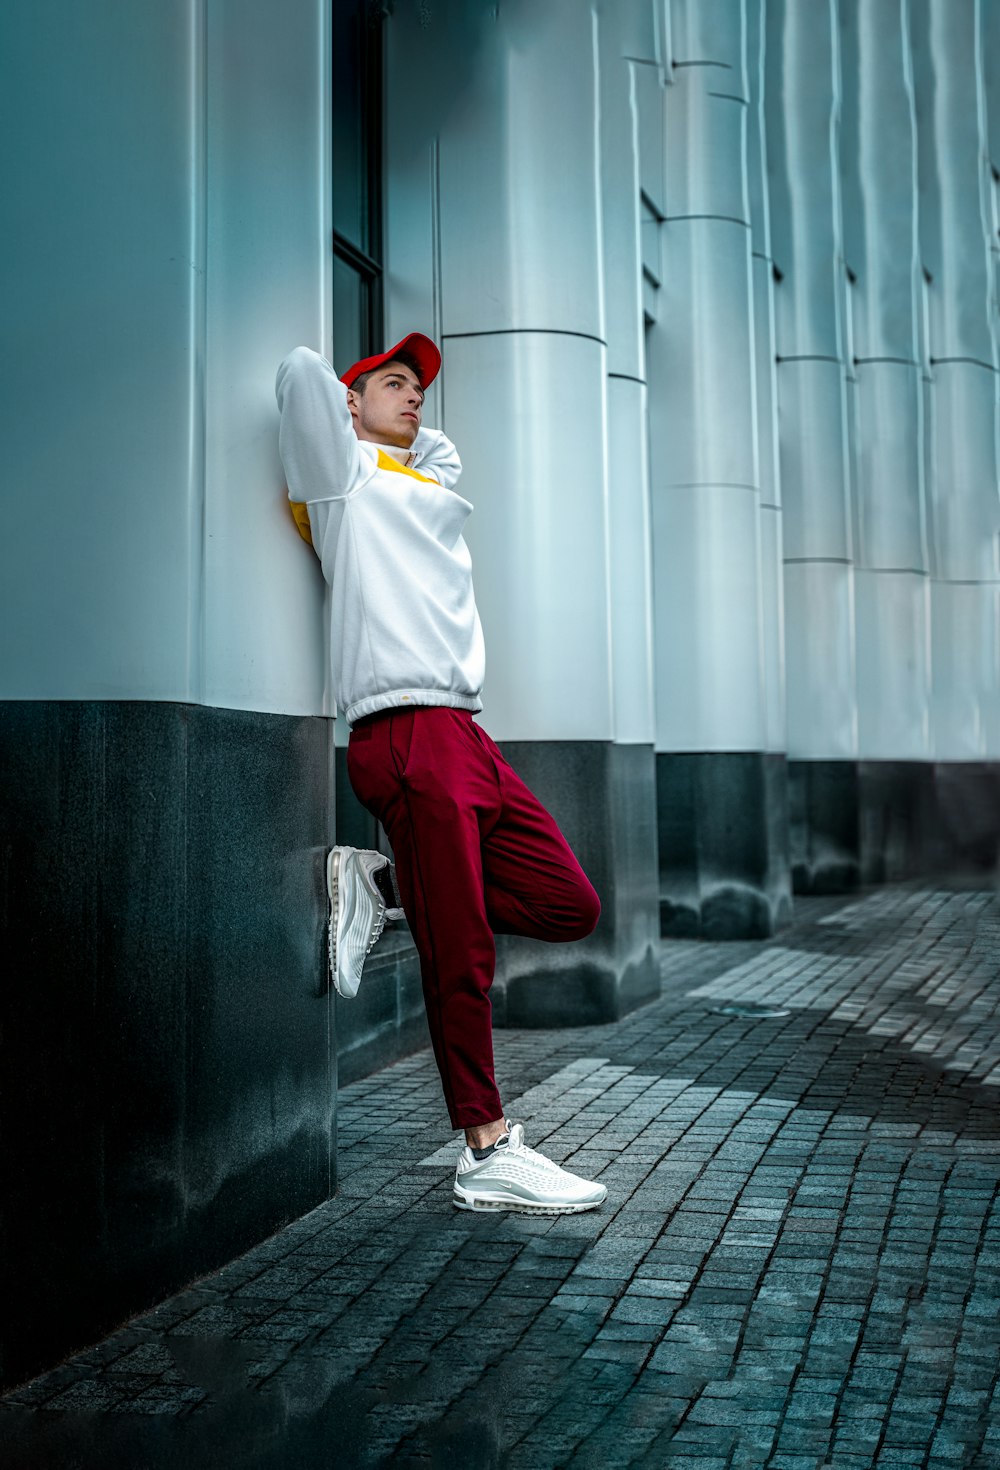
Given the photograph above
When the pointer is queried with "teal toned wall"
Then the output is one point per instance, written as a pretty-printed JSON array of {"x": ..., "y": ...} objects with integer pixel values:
[
  {"x": 167, "y": 225},
  {"x": 169, "y": 1056}
]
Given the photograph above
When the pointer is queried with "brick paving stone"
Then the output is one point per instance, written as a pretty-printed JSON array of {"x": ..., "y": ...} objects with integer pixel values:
[{"x": 796, "y": 1269}]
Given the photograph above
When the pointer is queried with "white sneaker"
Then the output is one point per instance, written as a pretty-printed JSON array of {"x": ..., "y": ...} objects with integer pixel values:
[
  {"x": 514, "y": 1177},
  {"x": 357, "y": 914}
]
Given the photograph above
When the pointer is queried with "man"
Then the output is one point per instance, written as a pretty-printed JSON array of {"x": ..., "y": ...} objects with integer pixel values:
[{"x": 476, "y": 853}]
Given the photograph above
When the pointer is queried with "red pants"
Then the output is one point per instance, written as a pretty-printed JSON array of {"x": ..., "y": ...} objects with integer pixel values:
[{"x": 476, "y": 855}]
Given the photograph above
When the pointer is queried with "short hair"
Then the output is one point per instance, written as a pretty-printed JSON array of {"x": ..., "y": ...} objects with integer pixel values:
[{"x": 361, "y": 381}]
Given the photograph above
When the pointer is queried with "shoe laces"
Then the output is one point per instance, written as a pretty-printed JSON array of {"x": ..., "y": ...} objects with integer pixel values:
[
  {"x": 376, "y": 934},
  {"x": 516, "y": 1144}
]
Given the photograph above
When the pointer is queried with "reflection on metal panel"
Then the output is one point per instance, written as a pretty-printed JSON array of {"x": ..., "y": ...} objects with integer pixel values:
[
  {"x": 709, "y": 660},
  {"x": 802, "y": 108},
  {"x": 538, "y": 529},
  {"x": 517, "y": 169},
  {"x": 268, "y": 289},
  {"x": 709, "y": 636},
  {"x": 170, "y": 219},
  {"x": 97, "y": 349},
  {"x": 962, "y": 482}
]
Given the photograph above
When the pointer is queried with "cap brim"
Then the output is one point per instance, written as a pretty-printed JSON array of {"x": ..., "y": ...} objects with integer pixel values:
[{"x": 421, "y": 349}]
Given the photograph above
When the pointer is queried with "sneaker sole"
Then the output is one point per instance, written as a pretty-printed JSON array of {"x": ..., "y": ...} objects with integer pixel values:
[
  {"x": 333, "y": 890},
  {"x": 520, "y": 1206}
]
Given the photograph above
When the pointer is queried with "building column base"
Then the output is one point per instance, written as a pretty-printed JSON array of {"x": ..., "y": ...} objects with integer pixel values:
[
  {"x": 603, "y": 797},
  {"x": 723, "y": 844},
  {"x": 856, "y": 822},
  {"x": 169, "y": 1059},
  {"x": 825, "y": 838}
]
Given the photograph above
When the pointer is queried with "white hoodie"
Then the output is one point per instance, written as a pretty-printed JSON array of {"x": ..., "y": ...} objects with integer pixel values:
[{"x": 405, "y": 629}]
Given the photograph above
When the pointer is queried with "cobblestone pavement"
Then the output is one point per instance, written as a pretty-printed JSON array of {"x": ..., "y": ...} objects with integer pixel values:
[{"x": 796, "y": 1266}]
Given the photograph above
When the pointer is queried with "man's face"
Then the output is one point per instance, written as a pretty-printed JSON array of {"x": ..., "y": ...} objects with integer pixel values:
[{"x": 390, "y": 408}]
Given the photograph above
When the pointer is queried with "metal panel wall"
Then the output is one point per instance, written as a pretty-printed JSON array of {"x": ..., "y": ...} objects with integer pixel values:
[
  {"x": 168, "y": 230},
  {"x": 629, "y": 69},
  {"x": 97, "y": 577},
  {"x": 803, "y": 106},
  {"x": 167, "y": 243},
  {"x": 703, "y": 407},
  {"x": 955, "y": 226},
  {"x": 496, "y": 238},
  {"x": 769, "y": 466},
  {"x": 505, "y": 127},
  {"x": 882, "y": 252}
]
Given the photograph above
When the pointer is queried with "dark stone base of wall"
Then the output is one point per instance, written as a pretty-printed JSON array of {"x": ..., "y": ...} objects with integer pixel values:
[
  {"x": 169, "y": 1068},
  {"x": 603, "y": 797},
  {"x": 723, "y": 844},
  {"x": 386, "y": 1020},
  {"x": 824, "y": 825},
  {"x": 962, "y": 828},
  {"x": 885, "y": 821}
]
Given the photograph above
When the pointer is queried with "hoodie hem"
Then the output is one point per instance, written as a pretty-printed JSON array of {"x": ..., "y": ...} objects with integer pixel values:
[{"x": 401, "y": 698}]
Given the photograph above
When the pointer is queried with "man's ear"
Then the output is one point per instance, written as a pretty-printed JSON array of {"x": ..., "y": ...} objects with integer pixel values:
[{"x": 353, "y": 402}]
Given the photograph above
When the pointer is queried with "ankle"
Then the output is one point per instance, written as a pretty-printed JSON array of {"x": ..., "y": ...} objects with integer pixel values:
[{"x": 483, "y": 1135}]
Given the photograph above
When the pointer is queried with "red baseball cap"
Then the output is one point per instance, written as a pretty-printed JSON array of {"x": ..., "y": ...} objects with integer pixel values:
[{"x": 416, "y": 345}]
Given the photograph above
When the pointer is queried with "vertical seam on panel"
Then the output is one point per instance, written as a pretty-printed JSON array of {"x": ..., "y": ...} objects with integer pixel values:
[
  {"x": 197, "y": 349},
  {"x": 324, "y": 24},
  {"x": 324, "y": 184},
  {"x": 100, "y": 736},
  {"x": 184, "y": 718},
  {"x": 609, "y": 620},
  {"x": 437, "y": 308}
]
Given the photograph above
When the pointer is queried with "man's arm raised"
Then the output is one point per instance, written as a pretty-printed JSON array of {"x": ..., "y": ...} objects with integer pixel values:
[{"x": 316, "y": 440}]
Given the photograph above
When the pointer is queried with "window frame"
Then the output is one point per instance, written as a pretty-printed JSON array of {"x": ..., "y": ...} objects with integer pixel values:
[{"x": 368, "y": 265}]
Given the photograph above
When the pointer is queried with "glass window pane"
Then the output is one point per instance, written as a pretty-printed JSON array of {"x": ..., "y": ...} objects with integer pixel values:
[
  {"x": 350, "y": 211},
  {"x": 349, "y": 315}
]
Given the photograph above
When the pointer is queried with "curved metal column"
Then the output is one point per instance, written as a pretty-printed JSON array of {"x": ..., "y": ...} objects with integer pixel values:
[
  {"x": 802, "y": 110},
  {"x": 718, "y": 873},
  {"x": 762, "y": 264},
  {"x": 630, "y": 87},
  {"x": 990, "y": 57},
  {"x": 956, "y": 222},
  {"x": 704, "y": 474},
  {"x": 881, "y": 248},
  {"x": 625, "y": 50},
  {"x": 771, "y": 525},
  {"x": 523, "y": 331},
  {"x": 990, "y": 52},
  {"x": 892, "y": 585},
  {"x": 507, "y": 106}
]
